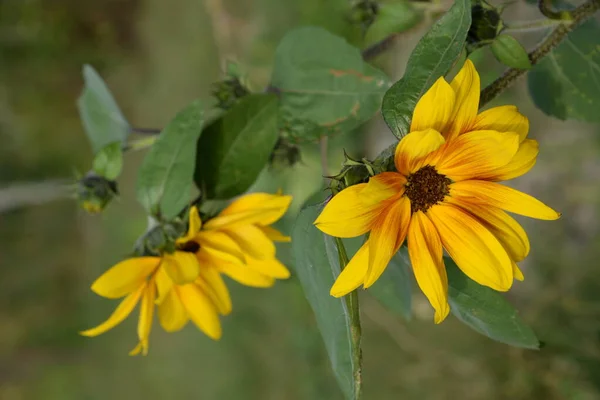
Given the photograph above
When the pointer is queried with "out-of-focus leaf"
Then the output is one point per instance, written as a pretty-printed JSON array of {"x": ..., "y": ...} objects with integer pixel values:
[
  {"x": 486, "y": 310},
  {"x": 109, "y": 161},
  {"x": 392, "y": 18},
  {"x": 566, "y": 83},
  {"x": 432, "y": 57},
  {"x": 324, "y": 83},
  {"x": 394, "y": 288},
  {"x": 317, "y": 266},
  {"x": 510, "y": 52},
  {"x": 102, "y": 119},
  {"x": 234, "y": 149},
  {"x": 166, "y": 176}
]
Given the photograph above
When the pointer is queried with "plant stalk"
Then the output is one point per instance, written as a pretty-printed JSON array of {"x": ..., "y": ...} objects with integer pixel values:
[
  {"x": 355, "y": 328},
  {"x": 571, "y": 19}
]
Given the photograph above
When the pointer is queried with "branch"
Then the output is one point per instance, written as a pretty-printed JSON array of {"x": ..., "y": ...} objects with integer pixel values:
[
  {"x": 355, "y": 328},
  {"x": 574, "y": 18},
  {"x": 145, "y": 131},
  {"x": 376, "y": 49}
]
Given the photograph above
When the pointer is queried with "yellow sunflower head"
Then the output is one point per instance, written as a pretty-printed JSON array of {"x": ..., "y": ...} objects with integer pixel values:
[
  {"x": 186, "y": 284},
  {"x": 444, "y": 195}
]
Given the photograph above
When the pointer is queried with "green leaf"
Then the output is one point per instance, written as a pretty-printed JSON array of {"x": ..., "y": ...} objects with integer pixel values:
[
  {"x": 566, "y": 83},
  {"x": 101, "y": 117},
  {"x": 165, "y": 177},
  {"x": 234, "y": 149},
  {"x": 109, "y": 161},
  {"x": 394, "y": 288},
  {"x": 317, "y": 266},
  {"x": 324, "y": 83},
  {"x": 392, "y": 18},
  {"x": 486, "y": 310},
  {"x": 432, "y": 57},
  {"x": 510, "y": 52}
]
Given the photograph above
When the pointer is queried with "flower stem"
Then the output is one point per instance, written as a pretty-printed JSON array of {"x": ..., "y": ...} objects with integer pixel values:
[
  {"x": 324, "y": 162},
  {"x": 570, "y": 20},
  {"x": 355, "y": 328},
  {"x": 533, "y": 26}
]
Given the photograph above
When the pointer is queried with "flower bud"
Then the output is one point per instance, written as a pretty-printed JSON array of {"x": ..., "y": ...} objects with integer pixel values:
[
  {"x": 486, "y": 24},
  {"x": 284, "y": 155},
  {"x": 94, "y": 192},
  {"x": 364, "y": 13}
]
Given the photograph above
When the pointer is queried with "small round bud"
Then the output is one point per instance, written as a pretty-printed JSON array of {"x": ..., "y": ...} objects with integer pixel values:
[
  {"x": 486, "y": 24},
  {"x": 284, "y": 155},
  {"x": 94, "y": 192}
]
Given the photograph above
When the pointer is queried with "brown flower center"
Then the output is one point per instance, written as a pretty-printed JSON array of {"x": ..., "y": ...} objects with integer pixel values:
[
  {"x": 425, "y": 188},
  {"x": 189, "y": 247}
]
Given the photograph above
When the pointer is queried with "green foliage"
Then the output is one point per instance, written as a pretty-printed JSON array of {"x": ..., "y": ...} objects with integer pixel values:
[
  {"x": 510, "y": 52},
  {"x": 394, "y": 288},
  {"x": 486, "y": 311},
  {"x": 109, "y": 161},
  {"x": 392, "y": 18},
  {"x": 324, "y": 84},
  {"x": 566, "y": 83},
  {"x": 166, "y": 174},
  {"x": 317, "y": 266},
  {"x": 433, "y": 57},
  {"x": 234, "y": 148},
  {"x": 101, "y": 117}
]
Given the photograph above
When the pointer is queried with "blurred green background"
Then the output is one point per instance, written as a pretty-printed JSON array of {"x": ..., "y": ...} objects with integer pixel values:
[{"x": 158, "y": 55}]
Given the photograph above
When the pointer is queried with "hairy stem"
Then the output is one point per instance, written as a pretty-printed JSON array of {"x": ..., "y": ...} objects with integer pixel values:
[
  {"x": 324, "y": 162},
  {"x": 355, "y": 328},
  {"x": 145, "y": 131},
  {"x": 532, "y": 26},
  {"x": 571, "y": 20}
]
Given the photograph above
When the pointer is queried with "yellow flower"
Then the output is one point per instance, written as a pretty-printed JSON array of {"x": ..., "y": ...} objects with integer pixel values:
[
  {"x": 444, "y": 195},
  {"x": 187, "y": 284},
  {"x": 150, "y": 280}
]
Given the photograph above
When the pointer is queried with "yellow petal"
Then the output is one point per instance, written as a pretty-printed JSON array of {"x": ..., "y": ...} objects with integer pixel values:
[
  {"x": 425, "y": 251},
  {"x": 476, "y": 154},
  {"x": 434, "y": 109},
  {"x": 354, "y": 274},
  {"x": 210, "y": 279},
  {"x": 387, "y": 236},
  {"x": 346, "y": 216},
  {"x": 500, "y": 196},
  {"x": 201, "y": 310},
  {"x": 253, "y": 241},
  {"x": 517, "y": 272},
  {"x": 125, "y": 277},
  {"x": 508, "y": 231},
  {"x": 171, "y": 313},
  {"x": 474, "y": 249},
  {"x": 275, "y": 235},
  {"x": 145, "y": 321},
  {"x": 466, "y": 86},
  {"x": 254, "y": 208},
  {"x": 164, "y": 284},
  {"x": 271, "y": 267},
  {"x": 520, "y": 164},
  {"x": 194, "y": 224},
  {"x": 382, "y": 187},
  {"x": 121, "y": 312},
  {"x": 246, "y": 276},
  {"x": 414, "y": 147},
  {"x": 221, "y": 242},
  {"x": 137, "y": 349},
  {"x": 181, "y": 266},
  {"x": 503, "y": 119}
]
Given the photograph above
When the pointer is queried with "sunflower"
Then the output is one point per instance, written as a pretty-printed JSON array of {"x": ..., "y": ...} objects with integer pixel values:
[
  {"x": 444, "y": 195},
  {"x": 149, "y": 280},
  {"x": 187, "y": 284}
]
